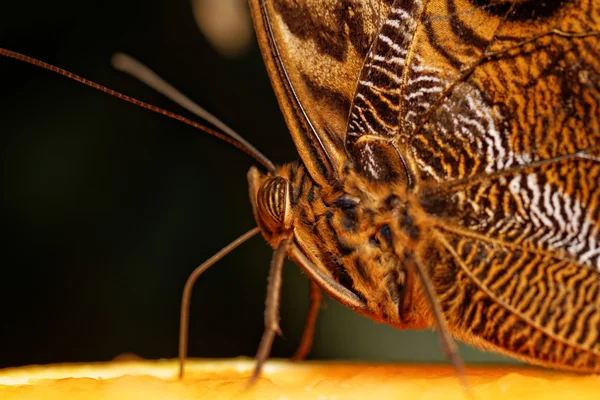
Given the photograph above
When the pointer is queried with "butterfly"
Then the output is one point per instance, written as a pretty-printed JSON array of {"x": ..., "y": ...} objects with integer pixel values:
[
  {"x": 450, "y": 168},
  {"x": 449, "y": 173}
]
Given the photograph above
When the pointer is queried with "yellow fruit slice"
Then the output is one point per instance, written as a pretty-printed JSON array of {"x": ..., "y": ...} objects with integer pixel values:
[{"x": 206, "y": 379}]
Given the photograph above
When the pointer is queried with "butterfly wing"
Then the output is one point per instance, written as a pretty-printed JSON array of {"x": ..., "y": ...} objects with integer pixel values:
[
  {"x": 490, "y": 112},
  {"x": 373, "y": 124},
  {"x": 493, "y": 108},
  {"x": 319, "y": 47}
]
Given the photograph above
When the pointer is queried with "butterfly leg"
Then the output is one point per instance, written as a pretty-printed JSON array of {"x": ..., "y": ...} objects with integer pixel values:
[
  {"x": 186, "y": 299},
  {"x": 271, "y": 309},
  {"x": 447, "y": 342},
  {"x": 309, "y": 325}
]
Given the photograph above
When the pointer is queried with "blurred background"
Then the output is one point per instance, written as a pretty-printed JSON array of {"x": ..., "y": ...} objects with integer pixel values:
[{"x": 107, "y": 207}]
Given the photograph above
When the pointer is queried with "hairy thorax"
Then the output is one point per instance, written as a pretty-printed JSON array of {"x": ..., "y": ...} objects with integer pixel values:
[{"x": 363, "y": 237}]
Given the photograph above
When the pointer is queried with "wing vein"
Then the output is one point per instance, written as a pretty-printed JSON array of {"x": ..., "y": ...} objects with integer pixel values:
[{"x": 502, "y": 303}]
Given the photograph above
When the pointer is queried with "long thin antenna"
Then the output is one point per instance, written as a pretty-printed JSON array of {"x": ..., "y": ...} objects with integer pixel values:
[
  {"x": 187, "y": 293},
  {"x": 243, "y": 146},
  {"x": 133, "y": 67}
]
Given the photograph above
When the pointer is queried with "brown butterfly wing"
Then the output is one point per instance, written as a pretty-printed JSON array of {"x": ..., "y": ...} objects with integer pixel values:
[
  {"x": 499, "y": 130},
  {"x": 322, "y": 45},
  {"x": 520, "y": 165},
  {"x": 373, "y": 123},
  {"x": 490, "y": 112},
  {"x": 512, "y": 130}
]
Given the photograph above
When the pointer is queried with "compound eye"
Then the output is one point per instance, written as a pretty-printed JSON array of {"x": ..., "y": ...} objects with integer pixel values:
[{"x": 275, "y": 203}]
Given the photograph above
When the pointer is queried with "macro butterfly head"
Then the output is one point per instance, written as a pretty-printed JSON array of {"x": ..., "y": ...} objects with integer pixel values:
[
  {"x": 349, "y": 234},
  {"x": 271, "y": 199}
]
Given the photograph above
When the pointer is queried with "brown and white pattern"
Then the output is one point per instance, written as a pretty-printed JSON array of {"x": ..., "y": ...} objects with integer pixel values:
[{"x": 461, "y": 135}]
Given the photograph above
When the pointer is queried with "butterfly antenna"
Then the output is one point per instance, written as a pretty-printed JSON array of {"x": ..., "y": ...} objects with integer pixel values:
[
  {"x": 133, "y": 67},
  {"x": 233, "y": 140},
  {"x": 187, "y": 293}
]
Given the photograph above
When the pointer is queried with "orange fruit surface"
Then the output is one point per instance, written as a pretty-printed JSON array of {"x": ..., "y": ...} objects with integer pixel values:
[{"x": 206, "y": 379}]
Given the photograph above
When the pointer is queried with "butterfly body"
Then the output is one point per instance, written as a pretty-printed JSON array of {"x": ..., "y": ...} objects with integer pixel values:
[
  {"x": 461, "y": 137},
  {"x": 366, "y": 240}
]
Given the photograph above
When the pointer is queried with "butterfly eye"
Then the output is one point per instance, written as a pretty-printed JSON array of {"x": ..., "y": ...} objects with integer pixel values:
[{"x": 274, "y": 203}]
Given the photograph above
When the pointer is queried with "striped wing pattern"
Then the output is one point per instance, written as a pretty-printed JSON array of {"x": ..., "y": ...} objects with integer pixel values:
[
  {"x": 376, "y": 105},
  {"x": 509, "y": 128},
  {"x": 322, "y": 45},
  {"x": 488, "y": 112},
  {"x": 495, "y": 111}
]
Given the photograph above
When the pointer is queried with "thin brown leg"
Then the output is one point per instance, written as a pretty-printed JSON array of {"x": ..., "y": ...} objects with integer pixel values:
[
  {"x": 187, "y": 293},
  {"x": 309, "y": 325},
  {"x": 447, "y": 342},
  {"x": 271, "y": 309}
]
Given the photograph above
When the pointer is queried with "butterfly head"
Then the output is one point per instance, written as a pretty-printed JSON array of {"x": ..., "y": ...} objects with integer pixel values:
[
  {"x": 273, "y": 202},
  {"x": 345, "y": 233},
  {"x": 271, "y": 196}
]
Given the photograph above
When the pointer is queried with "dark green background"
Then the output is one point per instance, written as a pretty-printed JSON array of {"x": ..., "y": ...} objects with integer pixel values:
[{"x": 107, "y": 207}]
